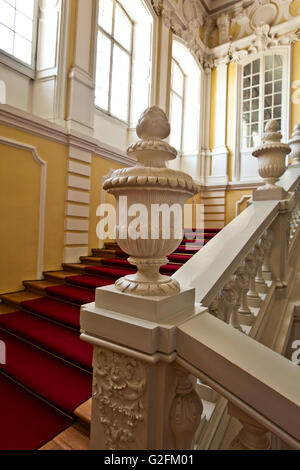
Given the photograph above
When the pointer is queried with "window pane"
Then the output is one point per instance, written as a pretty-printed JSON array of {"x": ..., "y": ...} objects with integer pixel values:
[
  {"x": 254, "y": 135},
  {"x": 6, "y": 39},
  {"x": 278, "y": 61},
  {"x": 268, "y": 88},
  {"x": 269, "y": 76},
  {"x": 254, "y": 116},
  {"x": 256, "y": 66},
  {"x": 278, "y": 74},
  {"x": 278, "y": 86},
  {"x": 246, "y": 94},
  {"x": 22, "y": 49},
  {"x": 277, "y": 99},
  {"x": 25, "y": 7},
  {"x": 105, "y": 15},
  {"x": 246, "y": 106},
  {"x": 246, "y": 118},
  {"x": 7, "y": 15},
  {"x": 176, "y": 121},
  {"x": 277, "y": 112},
  {"x": 177, "y": 79},
  {"x": 123, "y": 28},
  {"x": 246, "y": 82},
  {"x": 103, "y": 70},
  {"x": 120, "y": 88},
  {"x": 247, "y": 70},
  {"x": 24, "y": 26},
  {"x": 255, "y": 92},
  {"x": 255, "y": 104},
  {"x": 255, "y": 80},
  {"x": 268, "y": 101},
  {"x": 268, "y": 114},
  {"x": 269, "y": 62}
]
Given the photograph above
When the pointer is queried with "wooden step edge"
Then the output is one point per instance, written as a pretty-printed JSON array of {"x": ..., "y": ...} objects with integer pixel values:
[
  {"x": 59, "y": 276},
  {"x": 15, "y": 299},
  {"x": 84, "y": 413},
  {"x": 75, "y": 437},
  {"x": 91, "y": 260},
  {"x": 75, "y": 268},
  {"x": 38, "y": 287}
]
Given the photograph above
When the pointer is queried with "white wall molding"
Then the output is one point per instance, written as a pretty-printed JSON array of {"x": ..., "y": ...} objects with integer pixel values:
[
  {"x": 42, "y": 205},
  {"x": 40, "y": 127},
  {"x": 240, "y": 202}
]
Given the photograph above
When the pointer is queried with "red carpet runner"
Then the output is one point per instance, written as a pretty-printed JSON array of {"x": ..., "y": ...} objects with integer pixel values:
[{"x": 48, "y": 370}]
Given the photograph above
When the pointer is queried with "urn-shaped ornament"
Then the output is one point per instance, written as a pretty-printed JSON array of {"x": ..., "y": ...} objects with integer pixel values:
[{"x": 150, "y": 201}]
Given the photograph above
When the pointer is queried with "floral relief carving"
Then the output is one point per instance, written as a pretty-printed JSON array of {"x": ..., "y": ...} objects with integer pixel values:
[{"x": 119, "y": 386}]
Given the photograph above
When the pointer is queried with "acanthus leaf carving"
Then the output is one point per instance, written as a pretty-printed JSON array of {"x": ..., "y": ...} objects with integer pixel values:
[{"x": 119, "y": 385}]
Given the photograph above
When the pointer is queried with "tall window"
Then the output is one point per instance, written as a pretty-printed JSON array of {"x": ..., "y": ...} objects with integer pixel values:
[
  {"x": 177, "y": 104},
  {"x": 184, "y": 101},
  {"x": 18, "y": 19},
  {"x": 114, "y": 59},
  {"x": 261, "y": 97}
]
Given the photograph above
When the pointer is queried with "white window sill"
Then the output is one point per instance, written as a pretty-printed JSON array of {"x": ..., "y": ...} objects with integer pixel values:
[{"x": 16, "y": 65}]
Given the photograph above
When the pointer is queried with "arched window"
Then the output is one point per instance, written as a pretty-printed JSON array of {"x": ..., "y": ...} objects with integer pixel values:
[
  {"x": 177, "y": 104},
  {"x": 18, "y": 26},
  {"x": 264, "y": 94},
  {"x": 184, "y": 112},
  {"x": 124, "y": 59},
  {"x": 261, "y": 97},
  {"x": 114, "y": 59}
]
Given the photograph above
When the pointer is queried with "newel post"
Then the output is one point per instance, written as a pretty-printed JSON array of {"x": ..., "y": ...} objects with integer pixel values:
[
  {"x": 271, "y": 155},
  {"x": 141, "y": 398}
]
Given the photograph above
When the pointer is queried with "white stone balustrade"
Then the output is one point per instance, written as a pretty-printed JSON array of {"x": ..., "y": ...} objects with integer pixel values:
[{"x": 151, "y": 339}]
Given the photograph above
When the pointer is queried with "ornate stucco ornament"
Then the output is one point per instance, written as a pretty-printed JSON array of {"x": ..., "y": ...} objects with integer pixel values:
[
  {"x": 119, "y": 387},
  {"x": 150, "y": 183},
  {"x": 271, "y": 156},
  {"x": 294, "y": 143}
]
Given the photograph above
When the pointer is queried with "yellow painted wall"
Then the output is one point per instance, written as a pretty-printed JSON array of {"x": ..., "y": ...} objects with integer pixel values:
[
  {"x": 99, "y": 168},
  {"x": 295, "y": 93},
  {"x": 231, "y": 113},
  {"x": 233, "y": 196},
  {"x": 27, "y": 194}
]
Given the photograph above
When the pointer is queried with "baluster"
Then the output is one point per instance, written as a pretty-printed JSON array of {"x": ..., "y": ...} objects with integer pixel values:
[
  {"x": 186, "y": 410},
  {"x": 234, "y": 290},
  {"x": 266, "y": 244},
  {"x": 243, "y": 281},
  {"x": 254, "y": 261},
  {"x": 252, "y": 436}
]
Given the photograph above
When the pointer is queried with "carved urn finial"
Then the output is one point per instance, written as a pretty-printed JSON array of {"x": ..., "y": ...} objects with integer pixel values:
[
  {"x": 271, "y": 156},
  {"x": 150, "y": 199},
  {"x": 294, "y": 143}
]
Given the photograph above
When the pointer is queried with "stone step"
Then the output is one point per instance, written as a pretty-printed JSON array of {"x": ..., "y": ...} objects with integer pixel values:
[
  {"x": 76, "y": 437},
  {"x": 78, "y": 268},
  {"x": 38, "y": 287},
  {"x": 84, "y": 414},
  {"x": 104, "y": 253},
  {"x": 58, "y": 276},
  {"x": 15, "y": 299}
]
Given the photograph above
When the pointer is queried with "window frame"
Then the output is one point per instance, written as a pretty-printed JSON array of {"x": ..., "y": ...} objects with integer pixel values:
[
  {"x": 130, "y": 54},
  {"x": 182, "y": 98},
  {"x": 241, "y": 154},
  {"x": 17, "y": 64}
]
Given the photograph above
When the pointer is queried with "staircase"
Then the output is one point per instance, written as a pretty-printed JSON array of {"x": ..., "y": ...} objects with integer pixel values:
[{"x": 46, "y": 383}]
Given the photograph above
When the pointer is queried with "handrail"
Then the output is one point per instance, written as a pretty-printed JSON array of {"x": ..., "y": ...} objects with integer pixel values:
[
  {"x": 258, "y": 380},
  {"x": 208, "y": 269}
]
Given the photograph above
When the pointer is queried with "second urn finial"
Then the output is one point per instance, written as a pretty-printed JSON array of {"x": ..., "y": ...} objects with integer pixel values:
[
  {"x": 271, "y": 156},
  {"x": 294, "y": 143}
]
